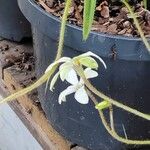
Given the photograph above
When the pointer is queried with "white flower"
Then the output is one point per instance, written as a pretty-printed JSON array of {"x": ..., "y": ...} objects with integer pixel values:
[
  {"x": 89, "y": 61},
  {"x": 64, "y": 60},
  {"x": 78, "y": 88},
  {"x": 61, "y": 60},
  {"x": 67, "y": 72}
]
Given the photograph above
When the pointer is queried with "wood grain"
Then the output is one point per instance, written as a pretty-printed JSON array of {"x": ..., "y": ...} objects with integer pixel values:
[{"x": 27, "y": 107}]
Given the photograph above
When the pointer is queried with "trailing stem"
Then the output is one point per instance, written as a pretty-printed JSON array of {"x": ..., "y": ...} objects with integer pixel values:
[
  {"x": 111, "y": 129},
  {"x": 145, "y": 3},
  {"x": 137, "y": 25},
  {"x": 80, "y": 72},
  {"x": 47, "y": 75},
  {"x": 62, "y": 29}
]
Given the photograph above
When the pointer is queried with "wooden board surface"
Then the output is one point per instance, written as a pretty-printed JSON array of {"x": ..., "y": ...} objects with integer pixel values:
[{"x": 16, "y": 72}]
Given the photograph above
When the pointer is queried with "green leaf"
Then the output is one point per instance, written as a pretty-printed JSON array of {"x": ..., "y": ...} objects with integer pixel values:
[
  {"x": 88, "y": 16},
  {"x": 89, "y": 62},
  {"x": 103, "y": 105}
]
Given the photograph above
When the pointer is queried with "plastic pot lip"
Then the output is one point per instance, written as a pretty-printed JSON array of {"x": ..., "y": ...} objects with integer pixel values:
[
  {"x": 127, "y": 48},
  {"x": 106, "y": 35}
]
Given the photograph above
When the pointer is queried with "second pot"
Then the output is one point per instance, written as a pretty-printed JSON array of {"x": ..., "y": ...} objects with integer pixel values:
[{"x": 13, "y": 25}]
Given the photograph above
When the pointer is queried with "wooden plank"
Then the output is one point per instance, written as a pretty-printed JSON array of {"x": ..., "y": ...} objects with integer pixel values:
[
  {"x": 26, "y": 118},
  {"x": 10, "y": 53},
  {"x": 12, "y": 130},
  {"x": 17, "y": 71},
  {"x": 34, "y": 128},
  {"x": 32, "y": 111}
]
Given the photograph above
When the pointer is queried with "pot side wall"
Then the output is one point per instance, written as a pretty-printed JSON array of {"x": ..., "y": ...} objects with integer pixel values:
[{"x": 13, "y": 25}]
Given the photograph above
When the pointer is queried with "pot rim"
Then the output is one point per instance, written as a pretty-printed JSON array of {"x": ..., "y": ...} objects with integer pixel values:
[
  {"x": 75, "y": 27},
  {"x": 45, "y": 24}
]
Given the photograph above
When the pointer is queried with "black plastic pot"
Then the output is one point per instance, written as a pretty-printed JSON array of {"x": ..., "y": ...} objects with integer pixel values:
[
  {"x": 13, "y": 25},
  {"x": 148, "y": 5},
  {"x": 126, "y": 79}
]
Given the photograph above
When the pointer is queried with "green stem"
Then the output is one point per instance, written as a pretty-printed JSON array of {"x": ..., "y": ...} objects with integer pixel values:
[
  {"x": 80, "y": 72},
  {"x": 145, "y": 4},
  {"x": 111, "y": 117},
  {"x": 29, "y": 88},
  {"x": 111, "y": 130},
  {"x": 117, "y": 137},
  {"x": 137, "y": 25},
  {"x": 47, "y": 75},
  {"x": 62, "y": 30}
]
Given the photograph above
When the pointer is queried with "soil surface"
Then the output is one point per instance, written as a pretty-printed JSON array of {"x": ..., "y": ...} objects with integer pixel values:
[{"x": 110, "y": 17}]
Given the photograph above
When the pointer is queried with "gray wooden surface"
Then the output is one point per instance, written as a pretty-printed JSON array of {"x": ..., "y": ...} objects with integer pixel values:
[{"x": 13, "y": 134}]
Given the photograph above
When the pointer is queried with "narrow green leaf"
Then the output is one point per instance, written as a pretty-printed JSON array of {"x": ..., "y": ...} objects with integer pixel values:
[
  {"x": 145, "y": 4},
  {"x": 88, "y": 16},
  {"x": 89, "y": 62},
  {"x": 103, "y": 105}
]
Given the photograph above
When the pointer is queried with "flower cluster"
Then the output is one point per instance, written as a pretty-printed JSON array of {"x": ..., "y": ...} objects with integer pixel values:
[{"x": 68, "y": 73}]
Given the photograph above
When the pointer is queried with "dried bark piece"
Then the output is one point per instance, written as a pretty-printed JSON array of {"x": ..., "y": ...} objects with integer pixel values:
[
  {"x": 49, "y": 3},
  {"x": 126, "y": 24},
  {"x": 104, "y": 9},
  {"x": 105, "y": 12},
  {"x": 112, "y": 28},
  {"x": 122, "y": 32},
  {"x": 48, "y": 9},
  {"x": 147, "y": 17},
  {"x": 99, "y": 28}
]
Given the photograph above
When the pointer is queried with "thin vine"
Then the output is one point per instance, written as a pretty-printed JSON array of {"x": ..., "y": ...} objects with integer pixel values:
[
  {"x": 80, "y": 72},
  {"x": 136, "y": 22},
  {"x": 111, "y": 129}
]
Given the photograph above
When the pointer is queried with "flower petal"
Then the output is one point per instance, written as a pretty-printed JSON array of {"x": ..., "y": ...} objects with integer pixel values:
[
  {"x": 94, "y": 55},
  {"x": 64, "y": 70},
  {"x": 81, "y": 96},
  {"x": 61, "y": 60},
  {"x": 88, "y": 62},
  {"x": 63, "y": 94},
  {"x": 72, "y": 77},
  {"x": 53, "y": 81},
  {"x": 89, "y": 73}
]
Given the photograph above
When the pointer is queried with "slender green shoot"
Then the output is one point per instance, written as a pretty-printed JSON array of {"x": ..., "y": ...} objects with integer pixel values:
[
  {"x": 137, "y": 25},
  {"x": 47, "y": 75},
  {"x": 145, "y": 4},
  {"x": 88, "y": 16}
]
